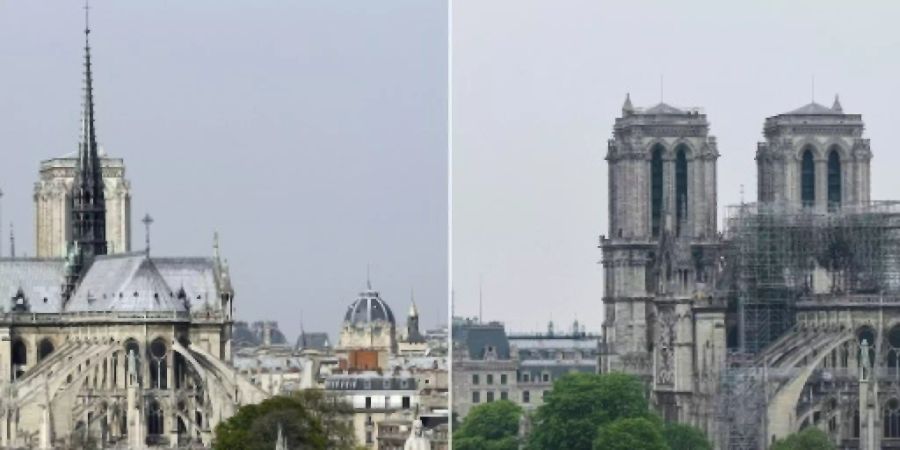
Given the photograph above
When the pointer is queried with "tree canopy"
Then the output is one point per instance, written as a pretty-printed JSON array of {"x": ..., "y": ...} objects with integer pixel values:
[
  {"x": 308, "y": 419},
  {"x": 631, "y": 434},
  {"x": 685, "y": 437},
  {"x": 580, "y": 403},
  {"x": 810, "y": 438},
  {"x": 489, "y": 426}
]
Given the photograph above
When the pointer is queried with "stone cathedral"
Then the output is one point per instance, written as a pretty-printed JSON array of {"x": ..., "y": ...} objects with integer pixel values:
[
  {"x": 101, "y": 346},
  {"x": 789, "y": 316}
]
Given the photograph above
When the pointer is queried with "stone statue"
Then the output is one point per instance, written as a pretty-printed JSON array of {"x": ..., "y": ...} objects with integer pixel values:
[
  {"x": 417, "y": 439},
  {"x": 132, "y": 367}
]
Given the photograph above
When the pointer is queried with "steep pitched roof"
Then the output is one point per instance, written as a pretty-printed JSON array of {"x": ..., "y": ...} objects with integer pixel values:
[
  {"x": 39, "y": 279},
  {"x": 129, "y": 282}
]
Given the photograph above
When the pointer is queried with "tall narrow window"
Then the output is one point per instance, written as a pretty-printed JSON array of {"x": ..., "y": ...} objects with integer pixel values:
[
  {"x": 656, "y": 189},
  {"x": 155, "y": 419},
  {"x": 834, "y": 180},
  {"x": 681, "y": 189},
  {"x": 808, "y": 179},
  {"x": 892, "y": 419}
]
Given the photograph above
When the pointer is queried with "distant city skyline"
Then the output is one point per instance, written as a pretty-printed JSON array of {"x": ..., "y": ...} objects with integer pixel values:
[{"x": 288, "y": 128}]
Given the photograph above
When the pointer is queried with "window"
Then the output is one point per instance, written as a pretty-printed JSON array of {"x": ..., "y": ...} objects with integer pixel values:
[
  {"x": 45, "y": 348},
  {"x": 19, "y": 357},
  {"x": 808, "y": 179},
  {"x": 475, "y": 378},
  {"x": 656, "y": 189},
  {"x": 405, "y": 402},
  {"x": 489, "y": 378},
  {"x": 368, "y": 437},
  {"x": 158, "y": 369},
  {"x": 368, "y": 402},
  {"x": 681, "y": 189},
  {"x": 892, "y": 419},
  {"x": 502, "y": 378},
  {"x": 526, "y": 377},
  {"x": 545, "y": 377},
  {"x": 476, "y": 397},
  {"x": 834, "y": 180},
  {"x": 504, "y": 395},
  {"x": 526, "y": 397},
  {"x": 490, "y": 396},
  {"x": 155, "y": 419}
]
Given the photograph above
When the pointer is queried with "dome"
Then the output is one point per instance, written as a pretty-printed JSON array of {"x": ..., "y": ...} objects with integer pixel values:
[{"x": 369, "y": 307}]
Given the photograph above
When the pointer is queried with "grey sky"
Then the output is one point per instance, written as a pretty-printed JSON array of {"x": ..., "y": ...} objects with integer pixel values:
[
  {"x": 538, "y": 84},
  {"x": 311, "y": 134}
]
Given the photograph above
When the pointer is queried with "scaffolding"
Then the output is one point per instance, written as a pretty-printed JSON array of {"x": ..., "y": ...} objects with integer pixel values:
[
  {"x": 775, "y": 256},
  {"x": 740, "y": 428}
]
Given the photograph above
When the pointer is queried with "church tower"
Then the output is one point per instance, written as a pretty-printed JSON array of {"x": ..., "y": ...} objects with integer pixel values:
[
  {"x": 659, "y": 257},
  {"x": 814, "y": 157}
]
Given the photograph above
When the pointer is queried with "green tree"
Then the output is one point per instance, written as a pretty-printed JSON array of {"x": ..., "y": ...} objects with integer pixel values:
[
  {"x": 580, "y": 403},
  {"x": 631, "y": 434},
  {"x": 307, "y": 420},
  {"x": 335, "y": 415},
  {"x": 810, "y": 438},
  {"x": 489, "y": 426},
  {"x": 685, "y": 437}
]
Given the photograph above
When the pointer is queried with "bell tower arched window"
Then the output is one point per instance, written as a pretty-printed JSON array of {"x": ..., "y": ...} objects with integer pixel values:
[
  {"x": 681, "y": 189},
  {"x": 656, "y": 190},
  {"x": 834, "y": 180},
  {"x": 808, "y": 179}
]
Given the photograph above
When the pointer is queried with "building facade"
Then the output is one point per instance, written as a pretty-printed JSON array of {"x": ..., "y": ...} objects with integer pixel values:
[
  {"x": 490, "y": 364},
  {"x": 787, "y": 318}
]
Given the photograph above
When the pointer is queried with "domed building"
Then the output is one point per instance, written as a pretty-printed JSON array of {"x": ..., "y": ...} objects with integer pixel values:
[{"x": 368, "y": 334}]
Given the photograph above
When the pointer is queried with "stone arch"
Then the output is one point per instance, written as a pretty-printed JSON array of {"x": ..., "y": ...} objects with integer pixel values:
[
  {"x": 782, "y": 406},
  {"x": 810, "y": 144},
  {"x": 838, "y": 145}
]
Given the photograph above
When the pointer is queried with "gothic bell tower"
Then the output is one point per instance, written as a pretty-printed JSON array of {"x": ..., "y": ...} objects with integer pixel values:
[
  {"x": 659, "y": 255},
  {"x": 815, "y": 158}
]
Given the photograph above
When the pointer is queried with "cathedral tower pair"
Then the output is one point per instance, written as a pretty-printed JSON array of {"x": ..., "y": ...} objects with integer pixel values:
[{"x": 662, "y": 256}]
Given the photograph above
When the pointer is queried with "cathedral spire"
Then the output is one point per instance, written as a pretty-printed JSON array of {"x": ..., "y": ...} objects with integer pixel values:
[
  {"x": 88, "y": 203},
  {"x": 87, "y": 151}
]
